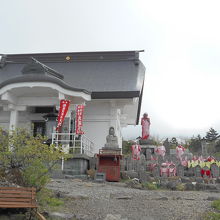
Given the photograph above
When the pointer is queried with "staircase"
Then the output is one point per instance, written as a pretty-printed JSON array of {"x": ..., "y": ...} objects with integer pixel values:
[{"x": 73, "y": 143}]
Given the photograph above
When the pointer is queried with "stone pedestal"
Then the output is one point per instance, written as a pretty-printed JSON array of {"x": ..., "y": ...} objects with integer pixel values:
[{"x": 77, "y": 165}]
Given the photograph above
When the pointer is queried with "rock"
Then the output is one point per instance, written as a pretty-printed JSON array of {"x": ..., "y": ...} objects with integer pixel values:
[
  {"x": 185, "y": 180},
  {"x": 134, "y": 184},
  {"x": 61, "y": 194},
  {"x": 81, "y": 217},
  {"x": 163, "y": 183},
  {"x": 189, "y": 186},
  {"x": 212, "y": 198},
  {"x": 199, "y": 180},
  {"x": 162, "y": 198},
  {"x": 172, "y": 185},
  {"x": 91, "y": 173},
  {"x": 137, "y": 186},
  {"x": 60, "y": 216},
  {"x": 132, "y": 174},
  {"x": 191, "y": 199},
  {"x": 112, "y": 217},
  {"x": 124, "y": 197},
  {"x": 200, "y": 186},
  {"x": 210, "y": 187},
  {"x": 124, "y": 175},
  {"x": 145, "y": 176}
]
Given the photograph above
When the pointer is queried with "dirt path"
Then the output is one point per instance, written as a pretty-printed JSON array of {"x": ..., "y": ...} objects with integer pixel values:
[{"x": 91, "y": 201}]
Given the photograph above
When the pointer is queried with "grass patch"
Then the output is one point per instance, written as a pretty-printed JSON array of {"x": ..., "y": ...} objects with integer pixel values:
[
  {"x": 216, "y": 204},
  {"x": 212, "y": 216}
]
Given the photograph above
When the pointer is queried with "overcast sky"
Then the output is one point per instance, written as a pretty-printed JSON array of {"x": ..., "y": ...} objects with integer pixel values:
[{"x": 181, "y": 40}]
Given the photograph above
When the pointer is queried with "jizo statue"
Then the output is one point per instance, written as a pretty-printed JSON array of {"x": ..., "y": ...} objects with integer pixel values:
[
  {"x": 145, "y": 123},
  {"x": 111, "y": 139}
]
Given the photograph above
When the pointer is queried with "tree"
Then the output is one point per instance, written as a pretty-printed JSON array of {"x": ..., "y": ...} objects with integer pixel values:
[
  {"x": 217, "y": 146},
  {"x": 173, "y": 142},
  {"x": 195, "y": 144},
  {"x": 26, "y": 160},
  {"x": 126, "y": 147},
  {"x": 211, "y": 135}
]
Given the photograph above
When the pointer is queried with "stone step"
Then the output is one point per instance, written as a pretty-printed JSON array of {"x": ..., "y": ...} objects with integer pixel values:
[
  {"x": 71, "y": 172},
  {"x": 82, "y": 177}
]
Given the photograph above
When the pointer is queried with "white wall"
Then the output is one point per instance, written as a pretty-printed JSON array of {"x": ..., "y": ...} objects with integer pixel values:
[
  {"x": 96, "y": 122},
  {"x": 4, "y": 119},
  {"x": 99, "y": 116},
  {"x": 24, "y": 119}
]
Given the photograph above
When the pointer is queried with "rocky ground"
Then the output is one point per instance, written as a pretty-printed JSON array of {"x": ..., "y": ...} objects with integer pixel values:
[{"x": 114, "y": 201}]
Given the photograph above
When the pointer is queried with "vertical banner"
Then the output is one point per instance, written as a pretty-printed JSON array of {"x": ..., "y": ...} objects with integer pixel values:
[
  {"x": 64, "y": 106},
  {"x": 79, "y": 119}
]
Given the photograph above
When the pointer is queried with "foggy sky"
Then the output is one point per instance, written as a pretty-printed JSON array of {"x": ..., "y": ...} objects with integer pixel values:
[{"x": 181, "y": 40}]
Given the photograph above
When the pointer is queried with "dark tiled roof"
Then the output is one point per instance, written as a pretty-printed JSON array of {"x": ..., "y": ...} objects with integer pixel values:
[
  {"x": 41, "y": 78},
  {"x": 99, "y": 72},
  {"x": 116, "y": 74}
]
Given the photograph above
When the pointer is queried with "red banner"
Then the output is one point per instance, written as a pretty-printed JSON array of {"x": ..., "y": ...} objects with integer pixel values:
[
  {"x": 79, "y": 119},
  {"x": 64, "y": 106}
]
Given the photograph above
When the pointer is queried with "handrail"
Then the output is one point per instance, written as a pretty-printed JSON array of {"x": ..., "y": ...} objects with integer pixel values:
[{"x": 74, "y": 142}]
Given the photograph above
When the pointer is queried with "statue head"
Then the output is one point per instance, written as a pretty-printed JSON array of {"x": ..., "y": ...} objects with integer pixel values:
[
  {"x": 145, "y": 115},
  {"x": 111, "y": 131}
]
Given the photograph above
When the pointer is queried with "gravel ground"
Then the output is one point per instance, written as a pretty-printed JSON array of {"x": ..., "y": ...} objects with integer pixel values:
[{"x": 99, "y": 201}]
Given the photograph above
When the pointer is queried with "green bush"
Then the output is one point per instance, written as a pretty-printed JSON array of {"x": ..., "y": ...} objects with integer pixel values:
[
  {"x": 212, "y": 216},
  {"x": 26, "y": 160},
  {"x": 150, "y": 186},
  {"x": 126, "y": 147},
  {"x": 47, "y": 198},
  {"x": 180, "y": 187},
  {"x": 216, "y": 204}
]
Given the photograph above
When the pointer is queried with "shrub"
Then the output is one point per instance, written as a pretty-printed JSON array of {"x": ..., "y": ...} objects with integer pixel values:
[
  {"x": 46, "y": 198},
  {"x": 26, "y": 160},
  {"x": 216, "y": 204},
  {"x": 150, "y": 186},
  {"x": 180, "y": 187},
  {"x": 212, "y": 216}
]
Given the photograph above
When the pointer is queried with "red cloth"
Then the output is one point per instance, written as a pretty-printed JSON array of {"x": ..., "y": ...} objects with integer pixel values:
[
  {"x": 210, "y": 158},
  {"x": 145, "y": 122},
  {"x": 79, "y": 119},
  {"x": 202, "y": 172},
  {"x": 64, "y": 106},
  {"x": 206, "y": 172},
  {"x": 180, "y": 151},
  {"x": 136, "y": 152},
  {"x": 161, "y": 150}
]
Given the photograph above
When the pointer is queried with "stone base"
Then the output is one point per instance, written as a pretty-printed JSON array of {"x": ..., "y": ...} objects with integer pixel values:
[
  {"x": 146, "y": 142},
  {"x": 107, "y": 150},
  {"x": 82, "y": 177},
  {"x": 76, "y": 166},
  {"x": 110, "y": 147}
]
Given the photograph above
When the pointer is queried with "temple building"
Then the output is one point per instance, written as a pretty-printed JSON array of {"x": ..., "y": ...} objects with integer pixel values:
[{"x": 108, "y": 84}]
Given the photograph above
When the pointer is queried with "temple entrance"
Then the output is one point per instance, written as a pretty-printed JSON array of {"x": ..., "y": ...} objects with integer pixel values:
[{"x": 39, "y": 128}]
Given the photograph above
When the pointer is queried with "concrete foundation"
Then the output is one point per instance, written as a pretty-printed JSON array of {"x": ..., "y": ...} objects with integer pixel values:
[{"x": 78, "y": 165}]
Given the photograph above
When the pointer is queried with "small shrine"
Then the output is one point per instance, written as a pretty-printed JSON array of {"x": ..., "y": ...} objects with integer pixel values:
[{"x": 109, "y": 157}]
